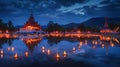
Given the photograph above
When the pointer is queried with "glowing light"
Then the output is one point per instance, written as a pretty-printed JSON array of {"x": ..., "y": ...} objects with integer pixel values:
[
  {"x": 65, "y": 53},
  {"x": 26, "y": 53},
  {"x": 80, "y": 43},
  {"x": 8, "y": 48},
  {"x": 103, "y": 45},
  {"x": 74, "y": 49},
  {"x": 43, "y": 51},
  {"x": 96, "y": 42},
  {"x": 1, "y": 55},
  {"x": 43, "y": 48},
  {"x": 1, "y": 52},
  {"x": 57, "y": 57},
  {"x": 16, "y": 56},
  {"x": 7, "y": 31},
  {"x": 86, "y": 42},
  {"x": 48, "y": 51},
  {"x": 13, "y": 48},
  {"x": 112, "y": 44}
]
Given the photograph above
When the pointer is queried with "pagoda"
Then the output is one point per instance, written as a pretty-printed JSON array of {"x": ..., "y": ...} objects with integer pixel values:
[
  {"x": 106, "y": 28},
  {"x": 31, "y": 24}
]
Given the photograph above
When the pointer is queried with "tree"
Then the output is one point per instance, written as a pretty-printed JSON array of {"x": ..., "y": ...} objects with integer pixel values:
[
  {"x": 10, "y": 26},
  {"x": 82, "y": 27},
  {"x": 51, "y": 27},
  {"x": 3, "y": 26}
]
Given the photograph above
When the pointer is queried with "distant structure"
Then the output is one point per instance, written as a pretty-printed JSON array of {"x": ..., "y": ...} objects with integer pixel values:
[
  {"x": 106, "y": 28},
  {"x": 31, "y": 24}
]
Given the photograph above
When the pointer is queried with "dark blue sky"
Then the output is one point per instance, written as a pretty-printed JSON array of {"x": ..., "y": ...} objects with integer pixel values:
[{"x": 59, "y": 11}]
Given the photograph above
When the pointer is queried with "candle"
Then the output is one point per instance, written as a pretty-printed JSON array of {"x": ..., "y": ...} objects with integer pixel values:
[
  {"x": 13, "y": 48},
  {"x": 26, "y": 53},
  {"x": 43, "y": 48},
  {"x": 57, "y": 56},
  {"x": 48, "y": 51},
  {"x": 16, "y": 56},
  {"x": 65, "y": 53}
]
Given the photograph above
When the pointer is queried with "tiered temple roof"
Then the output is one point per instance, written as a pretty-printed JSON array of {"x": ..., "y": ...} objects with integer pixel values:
[
  {"x": 31, "y": 24},
  {"x": 106, "y": 28}
]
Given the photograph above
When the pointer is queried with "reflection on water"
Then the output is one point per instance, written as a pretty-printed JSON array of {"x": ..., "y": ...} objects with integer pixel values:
[{"x": 84, "y": 49}]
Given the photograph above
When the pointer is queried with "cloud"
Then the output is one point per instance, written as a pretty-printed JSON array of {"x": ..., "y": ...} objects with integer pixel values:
[
  {"x": 49, "y": 15},
  {"x": 74, "y": 8}
]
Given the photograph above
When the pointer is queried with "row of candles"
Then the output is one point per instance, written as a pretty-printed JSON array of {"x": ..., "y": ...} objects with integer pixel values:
[
  {"x": 57, "y": 54},
  {"x": 49, "y": 51},
  {"x": 16, "y": 56}
]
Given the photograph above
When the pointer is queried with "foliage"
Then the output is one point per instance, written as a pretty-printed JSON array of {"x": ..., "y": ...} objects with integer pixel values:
[{"x": 6, "y": 26}]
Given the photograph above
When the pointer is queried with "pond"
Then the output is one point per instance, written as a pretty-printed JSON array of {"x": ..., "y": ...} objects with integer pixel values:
[{"x": 60, "y": 52}]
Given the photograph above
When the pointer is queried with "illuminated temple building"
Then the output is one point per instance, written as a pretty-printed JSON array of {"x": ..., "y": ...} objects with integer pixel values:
[
  {"x": 31, "y": 24},
  {"x": 106, "y": 28}
]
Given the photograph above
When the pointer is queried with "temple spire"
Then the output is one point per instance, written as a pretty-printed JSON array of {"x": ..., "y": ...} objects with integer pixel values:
[
  {"x": 31, "y": 12},
  {"x": 106, "y": 23}
]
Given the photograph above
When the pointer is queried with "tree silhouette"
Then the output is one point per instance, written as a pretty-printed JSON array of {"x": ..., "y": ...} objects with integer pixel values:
[
  {"x": 10, "y": 26},
  {"x": 51, "y": 26}
]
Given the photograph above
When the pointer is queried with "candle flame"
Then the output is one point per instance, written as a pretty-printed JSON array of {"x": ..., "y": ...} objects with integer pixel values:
[
  {"x": 1, "y": 52},
  {"x": 65, "y": 53},
  {"x": 13, "y": 48},
  {"x": 26, "y": 53},
  {"x": 16, "y": 56},
  {"x": 57, "y": 57},
  {"x": 48, "y": 51},
  {"x": 43, "y": 48}
]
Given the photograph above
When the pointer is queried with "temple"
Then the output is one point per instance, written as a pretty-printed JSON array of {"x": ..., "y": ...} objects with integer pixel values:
[
  {"x": 31, "y": 24},
  {"x": 106, "y": 28}
]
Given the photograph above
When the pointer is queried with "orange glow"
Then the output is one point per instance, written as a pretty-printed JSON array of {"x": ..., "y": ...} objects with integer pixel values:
[
  {"x": 103, "y": 45},
  {"x": 1, "y": 55},
  {"x": 96, "y": 42},
  {"x": 8, "y": 48},
  {"x": 106, "y": 31},
  {"x": 16, "y": 56},
  {"x": 13, "y": 48},
  {"x": 65, "y": 53},
  {"x": 57, "y": 57},
  {"x": 74, "y": 49},
  {"x": 112, "y": 44},
  {"x": 80, "y": 43},
  {"x": 26, "y": 53},
  {"x": 115, "y": 39},
  {"x": 43, "y": 48},
  {"x": 7, "y": 31},
  {"x": 29, "y": 41},
  {"x": 43, "y": 51},
  {"x": 1, "y": 52},
  {"x": 48, "y": 51},
  {"x": 105, "y": 38}
]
